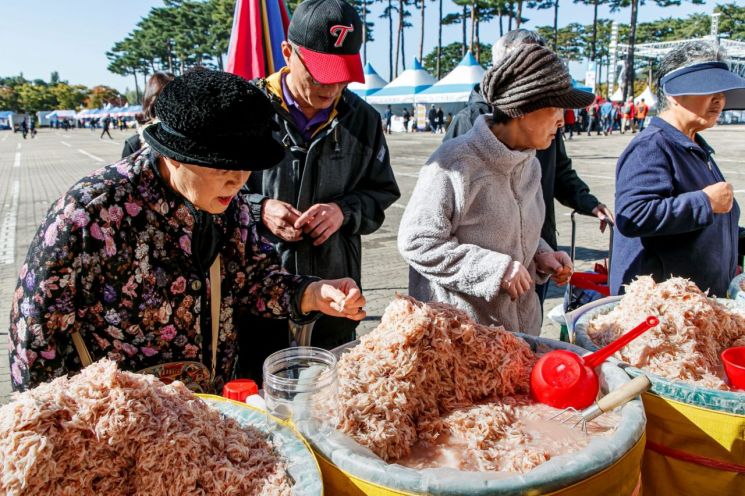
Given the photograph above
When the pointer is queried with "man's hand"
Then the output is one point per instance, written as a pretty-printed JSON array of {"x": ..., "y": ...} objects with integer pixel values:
[
  {"x": 280, "y": 217},
  {"x": 604, "y": 214},
  {"x": 338, "y": 298},
  {"x": 721, "y": 196},
  {"x": 320, "y": 221},
  {"x": 556, "y": 263},
  {"x": 516, "y": 281}
]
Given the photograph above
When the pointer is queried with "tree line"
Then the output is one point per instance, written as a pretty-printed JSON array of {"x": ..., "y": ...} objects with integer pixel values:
[
  {"x": 188, "y": 32},
  {"x": 185, "y": 33},
  {"x": 22, "y": 95}
]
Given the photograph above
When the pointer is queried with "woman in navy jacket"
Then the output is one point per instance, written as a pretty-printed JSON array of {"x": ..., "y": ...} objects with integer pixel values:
[{"x": 675, "y": 212}]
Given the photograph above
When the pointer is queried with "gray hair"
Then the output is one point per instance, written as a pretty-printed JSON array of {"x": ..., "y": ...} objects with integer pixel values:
[
  {"x": 691, "y": 53},
  {"x": 504, "y": 45}
]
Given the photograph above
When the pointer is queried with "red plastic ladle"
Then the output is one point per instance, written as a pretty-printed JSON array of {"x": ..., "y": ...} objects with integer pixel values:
[{"x": 563, "y": 379}]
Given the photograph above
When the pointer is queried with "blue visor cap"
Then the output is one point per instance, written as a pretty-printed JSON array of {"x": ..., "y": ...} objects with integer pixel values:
[{"x": 706, "y": 79}]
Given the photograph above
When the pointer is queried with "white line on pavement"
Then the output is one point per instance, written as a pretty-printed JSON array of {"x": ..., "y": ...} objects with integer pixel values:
[
  {"x": 98, "y": 159},
  {"x": 408, "y": 174},
  {"x": 18, "y": 147},
  {"x": 17, "y": 160},
  {"x": 111, "y": 142},
  {"x": 68, "y": 145},
  {"x": 8, "y": 227},
  {"x": 398, "y": 205},
  {"x": 739, "y": 191}
]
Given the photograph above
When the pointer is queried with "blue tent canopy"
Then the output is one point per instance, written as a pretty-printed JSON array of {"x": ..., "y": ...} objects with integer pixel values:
[{"x": 577, "y": 85}]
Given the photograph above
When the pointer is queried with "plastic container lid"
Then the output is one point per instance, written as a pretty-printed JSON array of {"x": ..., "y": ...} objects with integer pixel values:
[{"x": 240, "y": 389}]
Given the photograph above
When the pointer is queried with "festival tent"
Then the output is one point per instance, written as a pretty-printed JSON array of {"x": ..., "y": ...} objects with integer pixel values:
[
  {"x": 648, "y": 96},
  {"x": 8, "y": 118},
  {"x": 126, "y": 111},
  {"x": 85, "y": 113},
  {"x": 405, "y": 88},
  {"x": 617, "y": 95},
  {"x": 61, "y": 114},
  {"x": 259, "y": 28},
  {"x": 457, "y": 85},
  {"x": 579, "y": 86},
  {"x": 373, "y": 83}
]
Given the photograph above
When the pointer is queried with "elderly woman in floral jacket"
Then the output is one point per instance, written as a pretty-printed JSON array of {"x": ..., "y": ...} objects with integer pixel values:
[{"x": 122, "y": 266}]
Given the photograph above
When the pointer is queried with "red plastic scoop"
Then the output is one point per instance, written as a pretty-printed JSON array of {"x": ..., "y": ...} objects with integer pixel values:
[{"x": 563, "y": 379}]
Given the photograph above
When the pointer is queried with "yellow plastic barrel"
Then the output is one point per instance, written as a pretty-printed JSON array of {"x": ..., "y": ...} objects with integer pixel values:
[
  {"x": 623, "y": 478},
  {"x": 695, "y": 436},
  {"x": 612, "y": 469}
]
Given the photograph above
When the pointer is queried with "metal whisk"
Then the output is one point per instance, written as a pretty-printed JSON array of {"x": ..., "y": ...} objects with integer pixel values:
[{"x": 612, "y": 400}]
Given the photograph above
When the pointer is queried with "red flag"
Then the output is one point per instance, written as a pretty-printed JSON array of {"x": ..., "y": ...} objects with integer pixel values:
[
  {"x": 259, "y": 28},
  {"x": 246, "y": 52}
]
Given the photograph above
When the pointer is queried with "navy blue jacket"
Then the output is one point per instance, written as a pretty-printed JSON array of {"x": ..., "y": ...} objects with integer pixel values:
[{"x": 664, "y": 223}]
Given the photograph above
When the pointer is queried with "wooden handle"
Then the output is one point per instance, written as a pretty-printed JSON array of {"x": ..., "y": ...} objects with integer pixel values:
[{"x": 624, "y": 393}]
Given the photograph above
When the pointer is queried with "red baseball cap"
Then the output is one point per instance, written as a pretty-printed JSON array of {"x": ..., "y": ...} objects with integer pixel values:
[{"x": 328, "y": 34}]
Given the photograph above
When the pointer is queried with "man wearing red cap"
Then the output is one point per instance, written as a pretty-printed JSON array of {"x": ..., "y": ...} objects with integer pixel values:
[{"x": 336, "y": 179}]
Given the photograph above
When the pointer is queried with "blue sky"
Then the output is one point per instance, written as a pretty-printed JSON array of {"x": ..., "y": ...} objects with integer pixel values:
[{"x": 72, "y": 36}]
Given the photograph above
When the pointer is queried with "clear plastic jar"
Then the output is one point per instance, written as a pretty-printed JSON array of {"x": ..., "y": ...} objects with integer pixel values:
[{"x": 300, "y": 384}]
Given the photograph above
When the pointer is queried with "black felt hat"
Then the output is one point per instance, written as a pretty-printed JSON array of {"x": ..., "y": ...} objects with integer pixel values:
[{"x": 215, "y": 119}]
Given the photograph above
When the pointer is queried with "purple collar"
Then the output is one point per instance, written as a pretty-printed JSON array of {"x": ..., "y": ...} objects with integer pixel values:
[{"x": 306, "y": 126}]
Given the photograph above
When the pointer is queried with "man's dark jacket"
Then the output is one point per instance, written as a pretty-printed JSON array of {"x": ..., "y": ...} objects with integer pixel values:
[
  {"x": 346, "y": 162},
  {"x": 558, "y": 179}
]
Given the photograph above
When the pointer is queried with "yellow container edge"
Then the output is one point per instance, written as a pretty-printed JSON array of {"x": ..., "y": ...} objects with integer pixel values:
[{"x": 369, "y": 488}]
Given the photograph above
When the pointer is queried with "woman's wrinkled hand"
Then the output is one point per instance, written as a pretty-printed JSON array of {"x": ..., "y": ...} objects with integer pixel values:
[
  {"x": 337, "y": 297},
  {"x": 516, "y": 281},
  {"x": 556, "y": 263},
  {"x": 721, "y": 196}
]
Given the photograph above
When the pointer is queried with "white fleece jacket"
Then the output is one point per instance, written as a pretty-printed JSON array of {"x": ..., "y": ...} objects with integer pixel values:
[{"x": 476, "y": 207}]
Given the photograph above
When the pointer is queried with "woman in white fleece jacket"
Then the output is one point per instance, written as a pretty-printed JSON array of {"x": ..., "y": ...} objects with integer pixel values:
[{"x": 471, "y": 230}]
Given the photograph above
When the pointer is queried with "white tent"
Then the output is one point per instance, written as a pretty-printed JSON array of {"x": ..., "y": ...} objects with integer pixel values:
[
  {"x": 373, "y": 83},
  {"x": 457, "y": 85},
  {"x": 405, "y": 88},
  {"x": 617, "y": 96},
  {"x": 648, "y": 96}
]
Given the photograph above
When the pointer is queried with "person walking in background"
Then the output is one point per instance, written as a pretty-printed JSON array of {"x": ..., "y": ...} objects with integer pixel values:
[
  {"x": 32, "y": 126},
  {"x": 641, "y": 114},
  {"x": 335, "y": 180},
  {"x": 448, "y": 121},
  {"x": 606, "y": 111},
  {"x": 593, "y": 117},
  {"x": 106, "y": 123},
  {"x": 629, "y": 113},
  {"x": 24, "y": 127},
  {"x": 559, "y": 181},
  {"x": 440, "y": 121},
  {"x": 582, "y": 118},
  {"x": 569, "y": 121},
  {"x": 407, "y": 118},
  {"x": 432, "y": 119},
  {"x": 388, "y": 118},
  {"x": 617, "y": 116},
  {"x": 155, "y": 85}
]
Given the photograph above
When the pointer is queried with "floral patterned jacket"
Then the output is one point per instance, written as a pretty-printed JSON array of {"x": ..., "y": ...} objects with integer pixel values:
[{"x": 113, "y": 260}]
